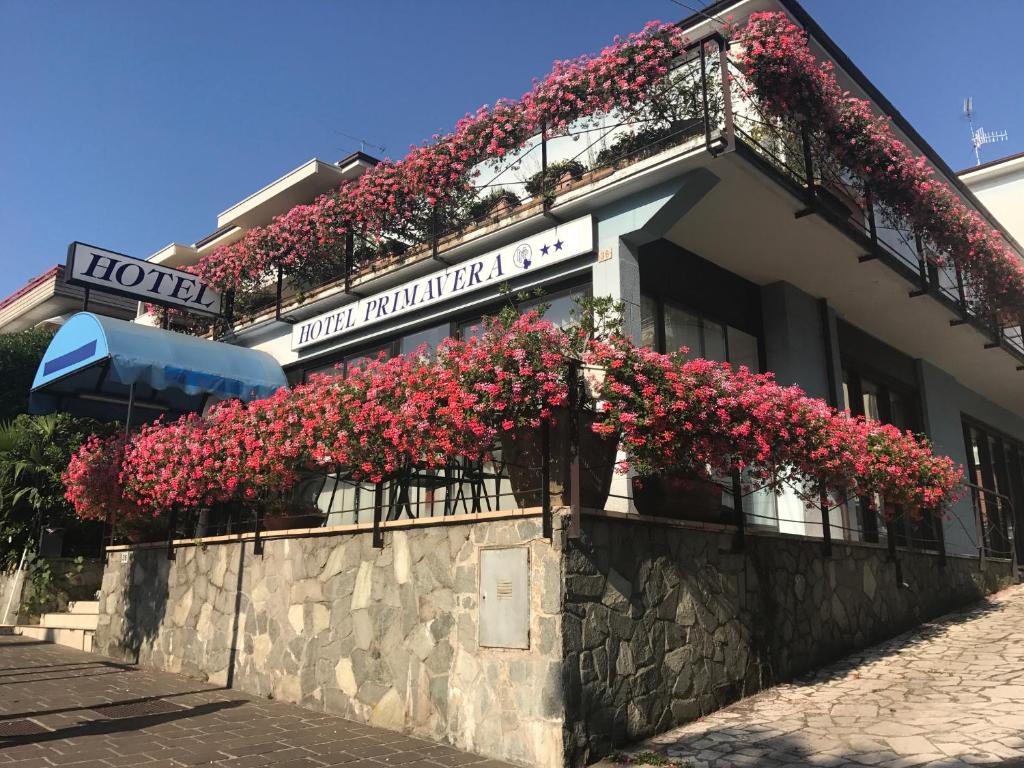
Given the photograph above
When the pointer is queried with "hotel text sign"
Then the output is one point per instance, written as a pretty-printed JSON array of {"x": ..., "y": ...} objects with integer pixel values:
[
  {"x": 565, "y": 241},
  {"x": 113, "y": 272}
]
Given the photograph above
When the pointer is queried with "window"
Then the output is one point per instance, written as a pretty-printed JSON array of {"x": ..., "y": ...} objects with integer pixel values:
[
  {"x": 666, "y": 326},
  {"x": 994, "y": 468},
  {"x": 873, "y": 396}
]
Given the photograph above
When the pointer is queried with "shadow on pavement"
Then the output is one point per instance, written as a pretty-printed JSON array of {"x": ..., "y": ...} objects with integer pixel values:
[{"x": 106, "y": 727}]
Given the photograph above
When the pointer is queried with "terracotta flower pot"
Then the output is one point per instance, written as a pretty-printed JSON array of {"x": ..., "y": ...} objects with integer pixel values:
[
  {"x": 680, "y": 495},
  {"x": 522, "y": 454}
]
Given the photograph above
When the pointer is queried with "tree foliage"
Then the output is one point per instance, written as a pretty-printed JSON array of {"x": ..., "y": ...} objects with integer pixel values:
[
  {"x": 34, "y": 451},
  {"x": 20, "y": 354}
]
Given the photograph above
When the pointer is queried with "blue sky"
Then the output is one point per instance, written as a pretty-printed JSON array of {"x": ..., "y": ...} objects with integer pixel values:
[{"x": 130, "y": 125}]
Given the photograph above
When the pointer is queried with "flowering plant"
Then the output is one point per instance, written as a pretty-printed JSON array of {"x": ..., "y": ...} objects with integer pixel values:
[
  {"x": 790, "y": 83},
  {"x": 394, "y": 200},
  {"x": 669, "y": 412},
  {"x": 91, "y": 480},
  {"x": 516, "y": 369},
  {"x": 696, "y": 416}
]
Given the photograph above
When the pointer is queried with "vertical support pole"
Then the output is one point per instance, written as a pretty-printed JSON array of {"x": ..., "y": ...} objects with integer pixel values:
[
  {"x": 826, "y": 525},
  {"x": 890, "y": 535},
  {"x": 433, "y": 232},
  {"x": 805, "y": 136},
  {"x": 172, "y": 527},
  {"x": 979, "y": 526},
  {"x": 545, "y": 477},
  {"x": 704, "y": 96},
  {"x": 729, "y": 127},
  {"x": 869, "y": 210},
  {"x": 940, "y": 538},
  {"x": 575, "y": 406},
  {"x": 378, "y": 504},
  {"x": 922, "y": 262},
  {"x": 165, "y": 319},
  {"x": 740, "y": 540},
  {"x": 349, "y": 252},
  {"x": 280, "y": 290},
  {"x": 131, "y": 406},
  {"x": 85, "y": 300},
  {"x": 545, "y": 192},
  {"x": 257, "y": 537}
]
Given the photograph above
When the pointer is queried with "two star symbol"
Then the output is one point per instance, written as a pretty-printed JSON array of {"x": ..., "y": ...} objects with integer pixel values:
[{"x": 545, "y": 248}]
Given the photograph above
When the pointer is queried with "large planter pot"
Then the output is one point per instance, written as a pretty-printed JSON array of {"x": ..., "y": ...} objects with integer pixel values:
[
  {"x": 521, "y": 452},
  {"x": 680, "y": 495}
]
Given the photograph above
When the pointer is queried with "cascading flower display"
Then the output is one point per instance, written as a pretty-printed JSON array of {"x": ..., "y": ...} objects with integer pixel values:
[
  {"x": 388, "y": 200},
  {"x": 673, "y": 413},
  {"x": 668, "y": 411},
  {"x": 790, "y": 83},
  {"x": 91, "y": 480}
]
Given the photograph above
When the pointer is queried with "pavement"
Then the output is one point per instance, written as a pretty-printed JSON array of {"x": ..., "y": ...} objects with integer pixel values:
[
  {"x": 62, "y": 707},
  {"x": 949, "y": 693}
]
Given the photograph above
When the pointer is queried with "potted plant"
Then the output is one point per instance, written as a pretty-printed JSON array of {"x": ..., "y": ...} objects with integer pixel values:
[
  {"x": 665, "y": 409},
  {"x": 518, "y": 372},
  {"x": 283, "y": 512},
  {"x": 556, "y": 178},
  {"x": 498, "y": 203}
]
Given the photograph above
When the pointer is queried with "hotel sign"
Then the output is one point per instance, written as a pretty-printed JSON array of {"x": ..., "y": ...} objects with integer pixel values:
[
  {"x": 92, "y": 267},
  {"x": 534, "y": 253}
]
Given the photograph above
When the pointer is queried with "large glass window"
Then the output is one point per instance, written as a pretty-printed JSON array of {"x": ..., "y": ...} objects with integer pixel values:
[
  {"x": 996, "y": 475},
  {"x": 666, "y": 327}
]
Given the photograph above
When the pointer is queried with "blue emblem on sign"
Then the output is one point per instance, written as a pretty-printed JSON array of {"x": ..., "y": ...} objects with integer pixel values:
[{"x": 523, "y": 256}]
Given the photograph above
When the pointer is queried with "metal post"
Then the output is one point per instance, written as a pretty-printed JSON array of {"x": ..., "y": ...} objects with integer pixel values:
[
  {"x": 545, "y": 476},
  {"x": 890, "y": 535},
  {"x": 940, "y": 539},
  {"x": 704, "y": 96},
  {"x": 826, "y": 525},
  {"x": 979, "y": 528},
  {"x": 349, "y": 251},
  {"x": 922, "y": 267},
  {"x": 85, "y": 300},
  {"x": 280, "y": 290},
  {"x": 131, "y": 405},
  {"x": 729, "y": 127},
  {"x": 575, "y": 523},
  {"x": 805, "y": 135},
  {"x": 378, "y": 504},
  {"x": 257, "y": 538},
  {"x": 172, "y": 525},
  {"x": 740, "y": 540}
]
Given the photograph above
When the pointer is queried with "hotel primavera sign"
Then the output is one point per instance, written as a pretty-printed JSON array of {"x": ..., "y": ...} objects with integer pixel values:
[
  {"x": 534, "y": 253},
  {"x": 92, "y": 267}
]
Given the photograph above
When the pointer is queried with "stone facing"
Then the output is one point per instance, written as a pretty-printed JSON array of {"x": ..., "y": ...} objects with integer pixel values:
[
  {"x": 664, "y": 624},
  {"x": 634, "y": 628},
  {"x": 387, "y": 637}
]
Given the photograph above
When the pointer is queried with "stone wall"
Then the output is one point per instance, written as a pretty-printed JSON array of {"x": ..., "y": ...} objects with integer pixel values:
[
  {"x": 384, "y": 636},
  {"x": 663, "y": 624}
]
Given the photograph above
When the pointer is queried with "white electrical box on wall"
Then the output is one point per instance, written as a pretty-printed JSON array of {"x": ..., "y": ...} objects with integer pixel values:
[{"x": 505, "y": 598}]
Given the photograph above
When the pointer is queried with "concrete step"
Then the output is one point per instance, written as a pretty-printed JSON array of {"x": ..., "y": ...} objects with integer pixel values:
[
  {"x": 69, "y": 620},
  {"x": 79, "y": 639},
  {"x": 91, "y": 607}
]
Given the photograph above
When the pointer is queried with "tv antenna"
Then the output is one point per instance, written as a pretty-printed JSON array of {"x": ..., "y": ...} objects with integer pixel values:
[
  {"x": 363, "y": 143},
  {"x": 979, "y": 136}
]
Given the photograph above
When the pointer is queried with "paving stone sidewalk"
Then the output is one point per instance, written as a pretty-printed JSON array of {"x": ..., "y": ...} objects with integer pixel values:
[
  {"x": 950, "y": 693},
  {"x": 63, "y": 707}
]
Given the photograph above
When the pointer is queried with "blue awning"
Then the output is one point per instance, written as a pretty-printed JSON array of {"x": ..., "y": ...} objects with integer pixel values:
[{"x": 93, "y": 361}]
